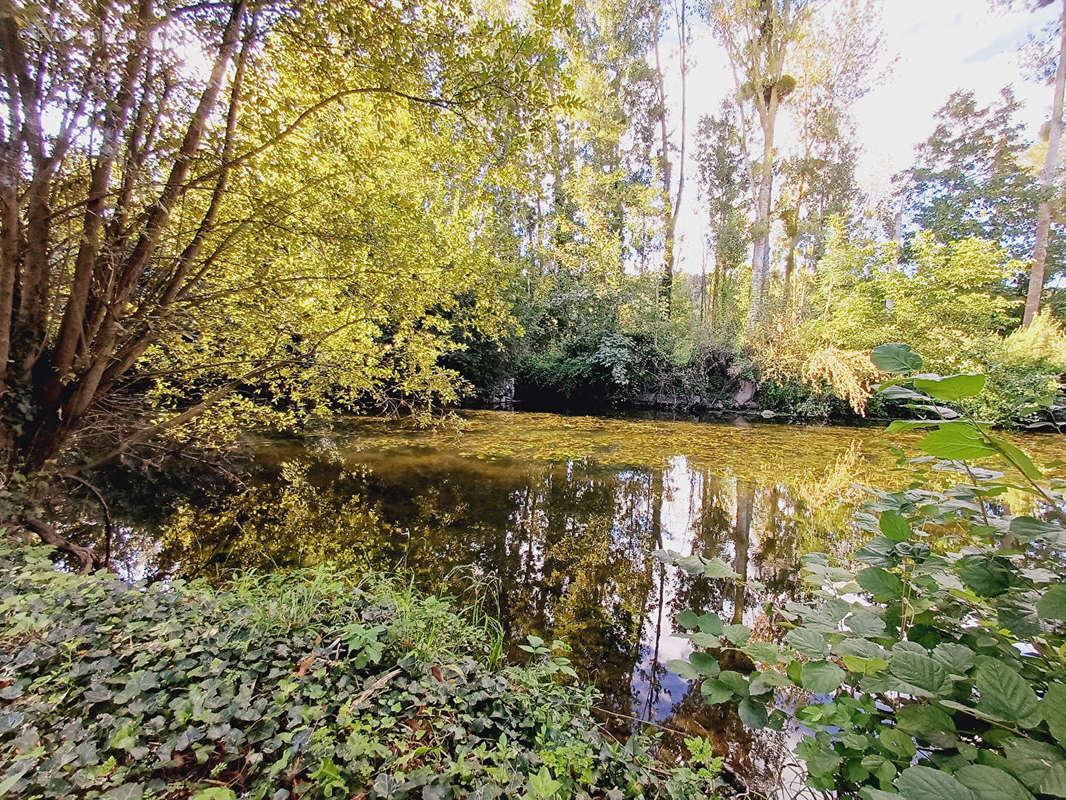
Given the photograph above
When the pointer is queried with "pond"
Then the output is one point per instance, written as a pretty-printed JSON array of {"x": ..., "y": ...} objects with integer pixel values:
[{"x": 549, "y": 521}]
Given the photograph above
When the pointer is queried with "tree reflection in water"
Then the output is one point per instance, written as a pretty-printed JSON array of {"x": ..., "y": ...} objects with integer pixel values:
[{"x": 560, "y": 522}]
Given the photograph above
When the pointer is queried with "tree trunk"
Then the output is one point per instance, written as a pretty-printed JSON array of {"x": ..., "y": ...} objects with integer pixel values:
[
  {"x": 760, "y": 260},
  {"x": 1047, "y": 180}
]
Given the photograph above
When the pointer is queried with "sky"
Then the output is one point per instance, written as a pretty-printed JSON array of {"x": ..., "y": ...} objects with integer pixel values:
[{"x": 936, "y": 46}]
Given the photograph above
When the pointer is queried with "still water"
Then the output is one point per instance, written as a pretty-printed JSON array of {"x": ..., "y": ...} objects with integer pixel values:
[{"x": 551, "y": 520}]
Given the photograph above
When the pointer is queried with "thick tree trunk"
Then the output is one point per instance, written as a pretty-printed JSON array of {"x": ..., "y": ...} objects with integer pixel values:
[{"x": 1047, "y": 180}]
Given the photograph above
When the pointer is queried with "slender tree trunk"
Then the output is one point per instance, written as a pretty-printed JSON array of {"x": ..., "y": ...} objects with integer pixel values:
[
  {"x": 760, "y": 261},
  {"x": 1047, "y": 180}
]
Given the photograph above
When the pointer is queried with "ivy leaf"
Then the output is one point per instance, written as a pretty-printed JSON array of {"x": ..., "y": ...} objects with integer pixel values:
[{"x": 895, "y": 357}]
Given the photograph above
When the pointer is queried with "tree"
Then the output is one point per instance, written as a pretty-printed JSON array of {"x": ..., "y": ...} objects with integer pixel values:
[
  {"x": 757, "y": 36},
  {"x": 152, "y": 208},
  {"x": 968, "y": 180},
  {"x": 1045, "y": 57},
  {"x": 836, "y": 61},
  {"x": 671, "y": 199},
  {"x": 723, "y": 184}
]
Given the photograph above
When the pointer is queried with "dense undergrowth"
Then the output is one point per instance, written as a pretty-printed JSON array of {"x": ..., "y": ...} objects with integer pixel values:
[{"x": 290, "y": 684}]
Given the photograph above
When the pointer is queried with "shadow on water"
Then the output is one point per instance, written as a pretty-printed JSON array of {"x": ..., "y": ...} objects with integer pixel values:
[{"x": 558, "y": 517}]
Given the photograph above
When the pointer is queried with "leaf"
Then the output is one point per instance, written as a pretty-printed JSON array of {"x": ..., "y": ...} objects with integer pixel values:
[
  {"x": 896, "y": 741},
  {"x": 895, "y": 357},
  {"x": 1031, "y": 761},
  {"x": 1052, "y": 604},
  {"x": 763, "y": 651},
  {"x": 1018, "y": 458},
  {"x": 883, "y": 585},
  {"x": 738, "y": 634},
  {"x": 688, "y": 619},
  {"x": 543, "y": 784},
  {"x": 951, "y": 388},
  {"x": 821, "y": 677},
  {"x": 1053, "y": 709},
  {"x": 919, "y": 720},
  {"x": 683, "y": 669},
  {"x": 735, "y": 681},
  {"x": 956, "y": 441},
  {"x": 926, "y": 783},
  {"x": 808, "y": 642},
  {"x": 710, "y": 623},
  {"x": 866, "y": 623},
  {"x": 766, "y": 681},
  {"x": 989, "y": 783},
  {"x": 705, "y": 664},
  {"x": 215, "y": 793},
  {"x": 955, "y": 658},
  {"x": 918, "y": 670},
  {"x": 1005, "y": 694},
  {"x": 752, "y": 713},
  {"x": 1029, "y": 528},
  {"x": 717, "y": 568},
  {"x": 715, "y": 692},
  {"x": 894, "y": 525}
]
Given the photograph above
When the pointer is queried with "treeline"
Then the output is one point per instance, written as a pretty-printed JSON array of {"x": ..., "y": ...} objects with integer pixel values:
[{"x": 275, "y": 211}]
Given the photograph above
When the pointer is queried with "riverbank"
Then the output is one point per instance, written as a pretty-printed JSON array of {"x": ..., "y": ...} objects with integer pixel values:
[{"x": 301, "y": 683}]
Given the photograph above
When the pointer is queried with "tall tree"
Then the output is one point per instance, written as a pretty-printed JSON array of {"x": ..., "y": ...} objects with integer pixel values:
[
  {"x": 968, "y": 179},
  {"x": 723, "y": 185},
  {"x": 141, "y": 196},
  {"x": 1048, "y": 58},
  {"x": 672, "y": 196},
  {"x": 758, "y": 36}
]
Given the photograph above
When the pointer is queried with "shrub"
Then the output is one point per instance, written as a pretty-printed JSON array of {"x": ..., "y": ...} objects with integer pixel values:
[
  {"x": 937, "y": 669},
  {"x": 298, "y": 684}
]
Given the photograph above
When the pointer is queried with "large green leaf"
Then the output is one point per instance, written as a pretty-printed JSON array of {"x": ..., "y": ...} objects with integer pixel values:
[
  {"x": 896, "y": 741},
  {"x": 1052, "y": 604},
  {"x": 923, "y": 720},
  {"x": 1018, "y": 458},
  {"x": 881, "y": 583},
  {"x": 821, "y": 677},
  {"x": 956, "y": 441},
  {"x": 1005, "y": 694},
  {"x": 895, "y": 357},
  {"x": 894, "y": 525},
  {"x": 752, "y": 714},
  {"x": 1028, "y": 528},
  {"x": 1053, "y": 709},
  {"x": 715, "y": 692},
  {"x": 808, "y": 642},
  {"x": 717, "y": 568},
  {"x": 919, "y": 670},
  {"x": 705, "y": 664},
  {"x": 950, "y": 388},
  {"x": 989, "y": 783},
  {"x": 926, "y": 783},
  {"x": 1032, "y": 761}
]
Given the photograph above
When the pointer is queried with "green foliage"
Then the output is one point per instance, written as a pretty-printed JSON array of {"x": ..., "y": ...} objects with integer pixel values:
[
  {"x": 936, "y": 666},
  {"x": 302, "y": 683}
]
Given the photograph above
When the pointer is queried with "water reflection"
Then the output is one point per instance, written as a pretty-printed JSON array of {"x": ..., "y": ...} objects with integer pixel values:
[{"x": 559, "y": 516}]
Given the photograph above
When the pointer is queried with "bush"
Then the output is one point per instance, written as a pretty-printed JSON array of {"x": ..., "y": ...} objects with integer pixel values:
[
  {"x": 299, "y": 684},
  {"x": 938, "y": 669}
]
